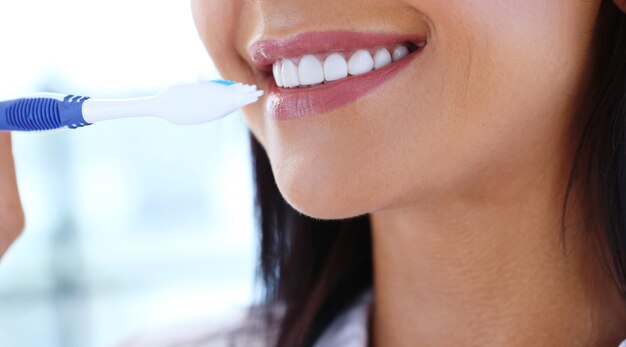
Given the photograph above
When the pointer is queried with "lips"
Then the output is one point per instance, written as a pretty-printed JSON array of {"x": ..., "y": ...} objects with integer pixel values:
[{"x": 290, "y": 103}]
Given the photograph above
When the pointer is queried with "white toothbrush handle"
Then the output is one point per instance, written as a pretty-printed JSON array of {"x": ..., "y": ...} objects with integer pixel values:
[
  {"x": 97, "y": 110},
  {"x": 191, "y": 103}
]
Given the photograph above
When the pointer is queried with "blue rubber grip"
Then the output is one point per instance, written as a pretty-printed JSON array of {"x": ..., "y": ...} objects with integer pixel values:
[{"x": 36, "y": 114}]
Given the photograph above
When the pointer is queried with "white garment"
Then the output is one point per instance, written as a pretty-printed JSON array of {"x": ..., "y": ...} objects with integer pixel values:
[{"x": 350, "y": 328}]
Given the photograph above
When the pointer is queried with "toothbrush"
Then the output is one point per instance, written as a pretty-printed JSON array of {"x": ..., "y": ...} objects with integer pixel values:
[{"x": 191, "y": 103}]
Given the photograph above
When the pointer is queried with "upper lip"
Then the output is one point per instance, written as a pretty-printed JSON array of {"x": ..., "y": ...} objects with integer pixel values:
[{"x": 265, "y": 52}]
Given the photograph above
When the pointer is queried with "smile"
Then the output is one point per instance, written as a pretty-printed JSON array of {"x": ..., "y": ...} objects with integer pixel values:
[
  {"x": 314, "y": 73},
  {"x": 314, "y": 69}
]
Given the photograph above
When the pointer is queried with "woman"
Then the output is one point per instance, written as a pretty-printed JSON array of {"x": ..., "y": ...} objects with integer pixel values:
[
  {"x": 461, "y": 162},
  {"x": 464, "y": 188}
]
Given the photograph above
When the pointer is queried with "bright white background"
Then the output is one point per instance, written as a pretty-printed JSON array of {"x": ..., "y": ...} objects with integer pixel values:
[{"x": 131, "y": 224}]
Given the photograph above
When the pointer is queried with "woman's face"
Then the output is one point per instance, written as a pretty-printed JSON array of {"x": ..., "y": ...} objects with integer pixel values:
[{"x": 487, "y": 100}]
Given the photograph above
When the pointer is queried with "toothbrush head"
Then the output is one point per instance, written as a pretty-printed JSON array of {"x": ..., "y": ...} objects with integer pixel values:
[{"x": 195, "y": 103}]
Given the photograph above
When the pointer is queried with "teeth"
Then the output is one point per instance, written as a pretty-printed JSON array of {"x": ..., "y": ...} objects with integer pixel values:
[
  {"x": 382, "y": 58},
  {"x": 400, "y": 52},
  {"x": 310, "y": 71},
  {"x": 278, "y": 73},
  {"x": 290, "y": 74},
  {"x": 335, "y": 67},
  {"x": 360, "y": 63}
]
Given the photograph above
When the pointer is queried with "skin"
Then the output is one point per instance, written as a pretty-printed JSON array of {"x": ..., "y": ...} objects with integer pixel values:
[
  {"x": 461, "y": 162},
  {"x": 11, "y": 213}
]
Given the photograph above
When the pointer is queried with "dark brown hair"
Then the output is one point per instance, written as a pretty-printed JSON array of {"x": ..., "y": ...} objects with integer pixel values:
[{"x": 315, "y": 268}]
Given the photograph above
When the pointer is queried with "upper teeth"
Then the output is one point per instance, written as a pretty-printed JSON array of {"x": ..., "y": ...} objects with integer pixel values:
[{"x": 309, "y": 70}]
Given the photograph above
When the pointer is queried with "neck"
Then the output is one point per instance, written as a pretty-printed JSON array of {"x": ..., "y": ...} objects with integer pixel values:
[{"x": 490, "y": 271}]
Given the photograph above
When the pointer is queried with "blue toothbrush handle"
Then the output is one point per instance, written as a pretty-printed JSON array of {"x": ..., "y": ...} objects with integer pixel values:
[{"x": 36, "y": 114}]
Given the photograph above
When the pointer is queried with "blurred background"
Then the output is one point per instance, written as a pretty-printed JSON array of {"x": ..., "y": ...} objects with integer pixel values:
[{"x": 131, "y": 224}]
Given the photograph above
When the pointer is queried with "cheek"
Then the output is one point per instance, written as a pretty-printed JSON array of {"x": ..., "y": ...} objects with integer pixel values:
[
  {"x": 218, "y": 24},
  {"x": 499, "y": 57},
  {"x": 509, "y": 72},
  {"x": 496, "y": 46},
  {"x": 512, "y": 74}
]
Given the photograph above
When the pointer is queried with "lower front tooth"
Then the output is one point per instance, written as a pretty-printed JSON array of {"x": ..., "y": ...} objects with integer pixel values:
[
  {"x": 360, "y": 63},
  {"x": 310, "y": 71},
  {"x": 290, "y": 74}
]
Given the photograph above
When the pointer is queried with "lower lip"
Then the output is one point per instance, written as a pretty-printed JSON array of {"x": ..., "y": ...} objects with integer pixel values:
[{"x": 287, "y": 104}]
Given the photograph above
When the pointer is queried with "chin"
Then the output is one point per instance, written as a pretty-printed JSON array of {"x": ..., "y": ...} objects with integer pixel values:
[
  {"x": 325, "y": 199},
  {"x": 324, "y": 208}
]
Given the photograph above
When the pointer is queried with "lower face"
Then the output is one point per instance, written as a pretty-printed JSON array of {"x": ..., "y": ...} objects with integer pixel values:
[{"x": 487, "y": 93}]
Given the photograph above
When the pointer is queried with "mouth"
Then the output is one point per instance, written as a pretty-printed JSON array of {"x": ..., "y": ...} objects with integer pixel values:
[{"x": 317, "y": 72}]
